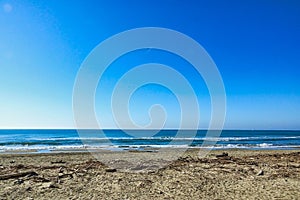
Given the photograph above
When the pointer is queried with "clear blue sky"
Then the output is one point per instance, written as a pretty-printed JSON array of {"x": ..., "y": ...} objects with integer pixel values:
[{"x": 255, "y": 44}]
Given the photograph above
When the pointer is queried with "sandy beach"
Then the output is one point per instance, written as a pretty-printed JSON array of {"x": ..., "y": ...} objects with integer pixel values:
[{"x": 230, "y": 174}]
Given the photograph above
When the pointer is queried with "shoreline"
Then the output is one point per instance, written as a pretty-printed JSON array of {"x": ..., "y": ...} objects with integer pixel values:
[
  {"x": 248, "y": 174},
  {"x": 138, "y": 149}
]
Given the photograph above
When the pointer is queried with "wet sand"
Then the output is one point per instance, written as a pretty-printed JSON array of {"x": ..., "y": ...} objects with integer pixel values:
[{"x": 242, "y": 174}]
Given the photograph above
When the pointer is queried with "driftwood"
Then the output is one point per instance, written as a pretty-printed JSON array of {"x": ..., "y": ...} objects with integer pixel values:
[
  {"x": 58, "y": 162},
  {"x": 65, "y": 176},
  {"x": 224, "y": 154},
  {"x": 17, "y": 175},
  {"x": 110, "y": 170}
]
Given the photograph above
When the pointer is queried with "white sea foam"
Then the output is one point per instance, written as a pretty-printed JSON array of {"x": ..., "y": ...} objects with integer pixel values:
[
  {"x": 124, "y": 147},
  {"x": 166, "y": 138}
]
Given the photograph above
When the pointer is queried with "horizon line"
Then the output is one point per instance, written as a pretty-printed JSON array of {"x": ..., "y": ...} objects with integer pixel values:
[{"x": 168, "y": 129}]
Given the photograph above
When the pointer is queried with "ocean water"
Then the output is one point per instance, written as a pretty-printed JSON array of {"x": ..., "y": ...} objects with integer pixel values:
[{"x": 55, "y": 140}]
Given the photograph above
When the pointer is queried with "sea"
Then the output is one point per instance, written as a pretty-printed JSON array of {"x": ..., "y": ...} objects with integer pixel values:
[{"x": 44, "y": 141}]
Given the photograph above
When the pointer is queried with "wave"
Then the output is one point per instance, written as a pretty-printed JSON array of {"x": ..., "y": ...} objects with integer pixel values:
[
  {"x": 128, "y": 147},
  {"x": 164, "y": 138},
  {"x": 71, "y": 141}
]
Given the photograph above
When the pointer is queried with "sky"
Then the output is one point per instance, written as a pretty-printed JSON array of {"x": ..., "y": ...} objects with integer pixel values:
[{"x": 254, "y": 44}]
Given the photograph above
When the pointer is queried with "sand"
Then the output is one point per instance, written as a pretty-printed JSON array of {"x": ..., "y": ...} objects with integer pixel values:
[{"x": 242, "y": 174}]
